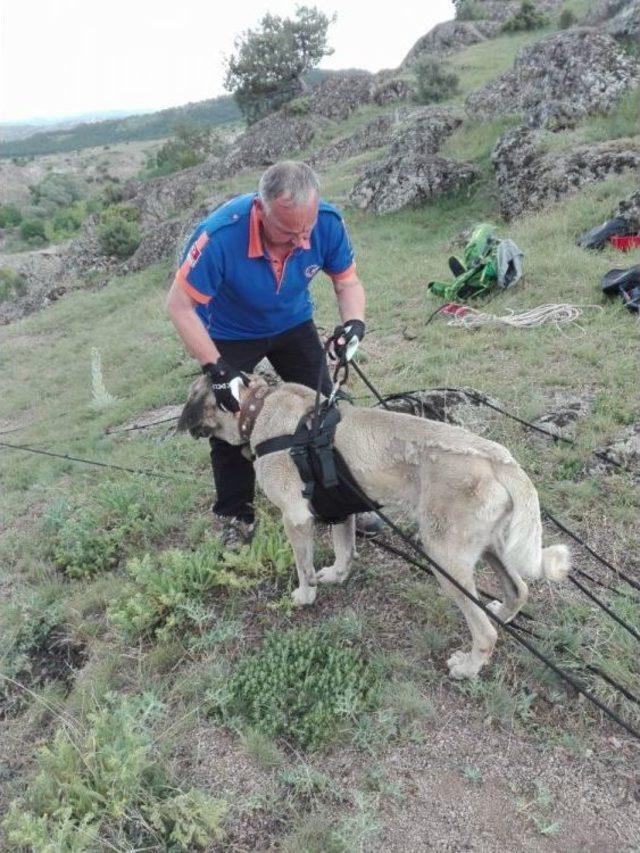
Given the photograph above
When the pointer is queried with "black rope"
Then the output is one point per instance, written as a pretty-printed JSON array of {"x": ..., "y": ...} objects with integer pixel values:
[
  {"x": 480, "y": 398},
  {"x": 593, "y": 553},
  {"x": 142, "y": 471},
  {"x": 510, "y": 629},
  {"x": 577, "y": 685},
  {"x": 604, "y": 607}
]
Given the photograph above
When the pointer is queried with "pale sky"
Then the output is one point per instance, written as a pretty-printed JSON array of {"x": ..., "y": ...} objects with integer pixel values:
[{"x": 65, "y": 57}]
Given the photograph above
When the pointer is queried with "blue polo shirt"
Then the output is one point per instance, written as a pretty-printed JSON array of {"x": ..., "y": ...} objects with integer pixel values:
[{"x": 240, "y": 292}]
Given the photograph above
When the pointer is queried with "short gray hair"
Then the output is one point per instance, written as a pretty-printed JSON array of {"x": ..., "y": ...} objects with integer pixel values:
[{"x": 289, "y": 178}]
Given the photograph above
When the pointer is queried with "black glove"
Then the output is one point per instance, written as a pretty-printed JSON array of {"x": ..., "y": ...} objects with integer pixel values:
[
  {"x": 352, "y": 332},
  {"x": 225, "y": 384}
]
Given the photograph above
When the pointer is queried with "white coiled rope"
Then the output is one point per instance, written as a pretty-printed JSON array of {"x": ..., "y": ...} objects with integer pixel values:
[{"x": 558, "y": 315}]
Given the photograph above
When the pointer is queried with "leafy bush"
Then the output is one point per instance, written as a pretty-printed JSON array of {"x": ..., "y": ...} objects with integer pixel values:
[
  {"x": 12, "y": 284},
  {"x": 434, "y": 82},
  {"x": 91, "y": 538},
  {"x": 32, "y": 231},
  {"x": 10, "y": 216},
  {"x": 166, "y": 591},
  {"x": 119, "y": 232},
  {"x": 300, "y": 685},
  {"x": 567, "y": 19},
  {"x": 106, "y": 784},
  {"x": 298, "y": 107},
  {"x": 56, "y": 190},
  {"x": 25, "y": 628},
  {"x": 526, "y": 18},
  {"x": 68, "y": 221}
]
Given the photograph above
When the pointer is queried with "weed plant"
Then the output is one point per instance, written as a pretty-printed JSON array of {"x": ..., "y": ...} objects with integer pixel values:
[
  {"x": 166, "y": 591},
  {"x": 104, "y": 785},
  {"x": 302, "y": 686}
]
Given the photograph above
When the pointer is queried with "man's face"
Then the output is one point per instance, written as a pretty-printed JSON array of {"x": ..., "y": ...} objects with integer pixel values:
[{"x": 289, "y": 227}]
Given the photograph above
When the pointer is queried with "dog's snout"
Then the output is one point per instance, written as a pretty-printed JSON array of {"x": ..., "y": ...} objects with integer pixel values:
[{"x": 201, "y": 432}]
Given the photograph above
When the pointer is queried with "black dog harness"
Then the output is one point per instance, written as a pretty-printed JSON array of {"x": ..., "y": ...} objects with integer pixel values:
[{"x": 329, "y": 486}]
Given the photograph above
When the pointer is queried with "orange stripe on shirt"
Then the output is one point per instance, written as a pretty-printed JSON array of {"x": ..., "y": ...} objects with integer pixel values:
[
  {"x": 341, "y": 276},
  {"x": 182, "y": 276},
  {"x": 190, "y": 290}
]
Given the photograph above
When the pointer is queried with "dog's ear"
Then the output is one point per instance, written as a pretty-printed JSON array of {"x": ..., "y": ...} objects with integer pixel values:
[{"x": 193, "y": 416}]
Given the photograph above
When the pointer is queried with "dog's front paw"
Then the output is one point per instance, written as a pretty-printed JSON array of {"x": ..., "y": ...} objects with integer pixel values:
[
  {"x": 330, "y": 574},
  {"x": 304, "y": 595},
  {"x": 461, "y": 665}
]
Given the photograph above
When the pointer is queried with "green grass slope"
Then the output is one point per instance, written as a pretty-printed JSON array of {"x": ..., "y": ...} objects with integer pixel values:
[{"x": 119, "y": 572}]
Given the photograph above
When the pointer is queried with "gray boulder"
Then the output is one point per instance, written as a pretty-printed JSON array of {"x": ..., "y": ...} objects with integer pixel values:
[
  {"x": 449, "y": 37},
  {"x": 374, "y": 134},
  {"x": 271, "y": 139},
  {"x": 560, "y": 78},
  {"x": 391, "y": 87},
  {"x": 411, "y": 180},
  {"x": 41, "y": 272},
  {"x": 412, "y": 174},
  {"x": 529, "y": 178},
  {"x": 620, "y": 18},
  {"x": 629, "y": 209},
  {"x": 341, "y": 94}
]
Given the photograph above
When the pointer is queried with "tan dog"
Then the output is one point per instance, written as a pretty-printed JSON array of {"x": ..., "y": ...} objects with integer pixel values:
[{"x": 469, "y": 497}]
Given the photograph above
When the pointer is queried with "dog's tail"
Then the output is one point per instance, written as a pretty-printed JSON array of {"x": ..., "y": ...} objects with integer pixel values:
[{"x": 521, "y": 543}]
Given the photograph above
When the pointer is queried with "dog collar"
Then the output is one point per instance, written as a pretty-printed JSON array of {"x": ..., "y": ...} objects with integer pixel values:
[{"x": 250, "y": 409}]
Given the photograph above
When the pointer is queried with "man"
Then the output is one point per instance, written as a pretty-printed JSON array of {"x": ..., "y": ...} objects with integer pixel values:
[{"x": 241, "y": 294}]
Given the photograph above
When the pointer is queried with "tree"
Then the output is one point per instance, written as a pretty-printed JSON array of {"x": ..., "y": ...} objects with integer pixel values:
[
  {"x": 526, "y": 18},
  {"x": 265, "y": 71},
  {"x": 434, "y": 82}
]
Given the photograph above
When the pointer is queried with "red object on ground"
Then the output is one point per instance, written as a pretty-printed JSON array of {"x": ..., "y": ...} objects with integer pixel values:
[
  {"x": 454, "y": 310},
  {"x": 625, "y": 244}
]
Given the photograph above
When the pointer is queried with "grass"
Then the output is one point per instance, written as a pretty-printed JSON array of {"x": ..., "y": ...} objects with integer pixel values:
[{"x": 126, "y": 566}]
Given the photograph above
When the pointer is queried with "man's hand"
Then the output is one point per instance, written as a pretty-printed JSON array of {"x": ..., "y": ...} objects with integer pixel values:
[
  {"x": 345, "y": 340},
  {"x": 225, "y": 384}
]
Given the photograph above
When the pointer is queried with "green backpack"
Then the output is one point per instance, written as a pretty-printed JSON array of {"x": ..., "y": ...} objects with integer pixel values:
[{"x": 478, "y": 271}]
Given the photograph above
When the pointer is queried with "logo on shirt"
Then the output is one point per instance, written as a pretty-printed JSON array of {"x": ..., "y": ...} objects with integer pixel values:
[
  {"x": 194, "y": 255},
  {"x": 311, "y": 270}
]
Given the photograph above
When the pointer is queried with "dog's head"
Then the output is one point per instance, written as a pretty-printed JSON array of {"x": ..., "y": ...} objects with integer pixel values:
[{"x": 202, "y": 417}]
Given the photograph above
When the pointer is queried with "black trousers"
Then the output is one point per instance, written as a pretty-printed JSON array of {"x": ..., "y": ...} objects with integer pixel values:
[{"x": 297, "y": 356}]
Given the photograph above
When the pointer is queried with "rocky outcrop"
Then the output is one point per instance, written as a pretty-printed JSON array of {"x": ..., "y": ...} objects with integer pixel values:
[
  {"x": 391, "y": 87},
  {"x": 372, "y": 135},
  {"x": 41, "y": 272},
  {"x": 273, "y": 138},
  {"x": 341, "y": 94},
  {"x": 161, "y": 198},
  {"x": 629, "y": 209},
  {"x": 528, "y": 177},
  {"x": 560, "y": 78},
  {"x": 412, "y": 174},
  {"x": 449, "y": 37},
  {"x": 409, "y": 181},
  {"x": 620, "y": 18}
]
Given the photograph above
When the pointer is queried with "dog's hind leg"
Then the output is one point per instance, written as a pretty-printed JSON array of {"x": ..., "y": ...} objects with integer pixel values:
[
  {"x": 344, "y": 548},
  {"x": 514, "y": 589},
  {"x": 300, "y": 533},
  {"x": 460, "y": 562}
]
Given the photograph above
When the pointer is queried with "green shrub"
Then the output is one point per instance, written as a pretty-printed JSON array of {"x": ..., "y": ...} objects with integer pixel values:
[
  {"x": 119, "y": 232},
  {"x": 32, "y": 231},
  {"x": 12, "y": 284},
  {"x": 298, "y": 106},
  {"x": 301, "y": 686},
  {"x": 90, "y": 538},
  {"x": 24, "y": 630},
  {"x": 434, "y": 82},
  {"x": 106, "y": 783},
  {"x": 57, "y": 190},
  {"x": 68, "y": 221},
  {"x": 10, "y": 216},
  {"x": 567, "y": 19},
  {"x": 526, "y": 18}
]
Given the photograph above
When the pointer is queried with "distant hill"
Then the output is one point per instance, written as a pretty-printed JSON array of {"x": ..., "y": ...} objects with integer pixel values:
[
  {"x": 156, "y": 125},
  {"x": 139, "y": 127}
]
